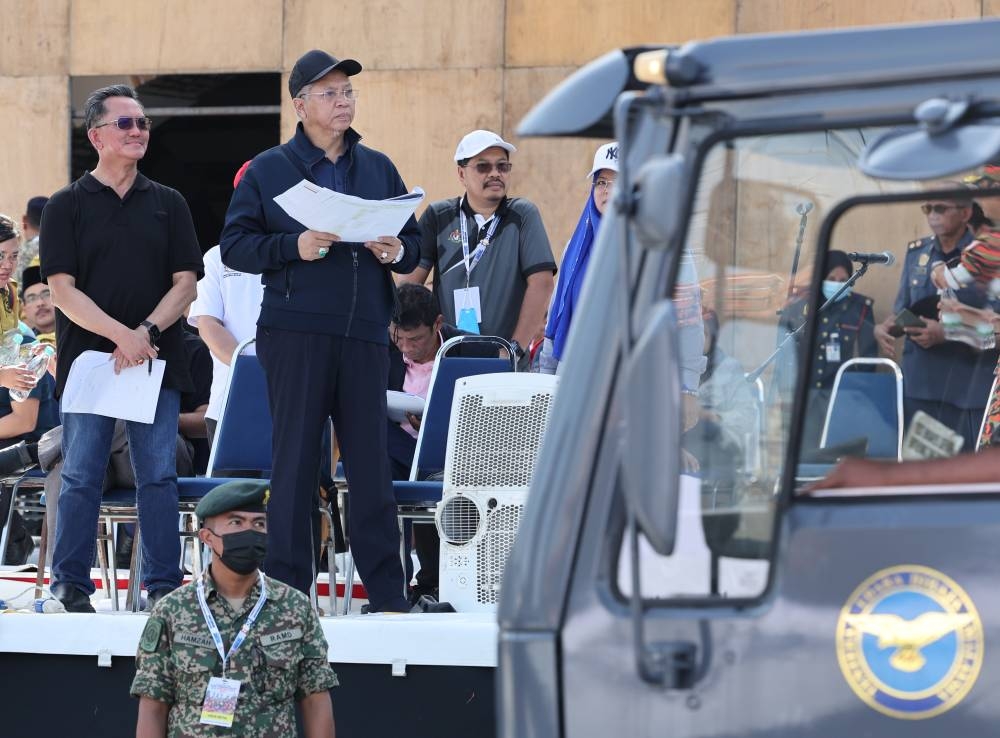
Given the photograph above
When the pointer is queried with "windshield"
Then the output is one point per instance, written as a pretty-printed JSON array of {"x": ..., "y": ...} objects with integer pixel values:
[{"x": 796, "y": 351}]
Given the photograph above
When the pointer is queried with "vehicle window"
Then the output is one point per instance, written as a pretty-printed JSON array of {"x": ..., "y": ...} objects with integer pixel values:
[{"x": 879, "y": 359}]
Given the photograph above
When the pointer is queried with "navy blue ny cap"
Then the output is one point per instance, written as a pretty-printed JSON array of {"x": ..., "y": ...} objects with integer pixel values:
[{"x": 313, "y": 65}]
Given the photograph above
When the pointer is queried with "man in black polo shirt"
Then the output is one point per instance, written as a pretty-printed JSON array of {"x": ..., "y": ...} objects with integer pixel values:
[{"x": 122, "y": 260}]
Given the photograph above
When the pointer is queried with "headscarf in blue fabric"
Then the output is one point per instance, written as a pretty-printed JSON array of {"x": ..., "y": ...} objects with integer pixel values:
[{"x": 574, "y": 267}]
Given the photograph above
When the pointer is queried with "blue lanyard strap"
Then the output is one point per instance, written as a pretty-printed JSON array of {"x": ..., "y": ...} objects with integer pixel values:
[
  {"x": 470, "y": 262},
  {"x": 213, "y": 628}
]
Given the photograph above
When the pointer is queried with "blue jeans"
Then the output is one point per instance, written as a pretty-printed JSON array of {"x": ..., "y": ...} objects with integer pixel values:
[{"x": 86, "y": 444}]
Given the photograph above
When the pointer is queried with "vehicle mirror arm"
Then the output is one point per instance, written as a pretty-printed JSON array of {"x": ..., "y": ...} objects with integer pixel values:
[
  {"x": 752, "y": 376},
  {"x": 666, "y": 664}
]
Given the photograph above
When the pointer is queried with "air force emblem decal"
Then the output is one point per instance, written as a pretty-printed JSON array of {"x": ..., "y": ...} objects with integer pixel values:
[{"x": 910, "y": 642}]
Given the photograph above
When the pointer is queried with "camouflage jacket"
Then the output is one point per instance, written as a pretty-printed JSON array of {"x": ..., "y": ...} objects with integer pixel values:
[{"x": 282, "y": 660}]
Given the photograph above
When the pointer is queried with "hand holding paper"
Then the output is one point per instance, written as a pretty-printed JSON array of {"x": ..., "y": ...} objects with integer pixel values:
[{"x": 351, "y": 218}]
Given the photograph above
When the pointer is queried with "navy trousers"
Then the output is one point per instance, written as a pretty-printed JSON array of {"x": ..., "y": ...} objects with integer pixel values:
[{"x": 311, "y": 377}]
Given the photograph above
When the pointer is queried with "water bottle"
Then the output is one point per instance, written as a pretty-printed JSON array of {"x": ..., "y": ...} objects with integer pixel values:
[
  {"x": 987, "y": 339},
  {"x": 47, "y": 605},
  {"x": 10, "y": 346},
  {"x": 37, "y": 366}
]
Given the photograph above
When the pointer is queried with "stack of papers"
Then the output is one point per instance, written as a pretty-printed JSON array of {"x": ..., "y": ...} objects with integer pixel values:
[{"x": 352, "y": 218}]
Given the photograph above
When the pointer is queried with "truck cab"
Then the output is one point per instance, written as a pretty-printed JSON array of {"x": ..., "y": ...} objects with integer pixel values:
[{"x": 763, "y": 301}]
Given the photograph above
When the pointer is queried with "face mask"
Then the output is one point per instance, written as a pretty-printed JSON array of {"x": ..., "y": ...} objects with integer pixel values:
[
  {"x": 243, "y": 552},
  {"x": 831, "y": 288}
]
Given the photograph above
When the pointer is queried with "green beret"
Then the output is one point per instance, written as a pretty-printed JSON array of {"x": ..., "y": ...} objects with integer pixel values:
[{"x": 245, "y": 495}]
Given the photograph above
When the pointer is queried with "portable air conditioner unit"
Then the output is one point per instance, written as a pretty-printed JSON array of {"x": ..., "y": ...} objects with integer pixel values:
[{"x": 496, "y": 428}]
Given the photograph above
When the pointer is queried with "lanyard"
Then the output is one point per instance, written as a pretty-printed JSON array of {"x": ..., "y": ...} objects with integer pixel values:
[
  {"x": 470, "y": 262},
  {"x": 213, "y": 628}
]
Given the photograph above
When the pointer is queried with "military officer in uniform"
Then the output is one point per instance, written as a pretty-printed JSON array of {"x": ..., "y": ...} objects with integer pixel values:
[
  {"x": 234, "y": 648},
  {"x": 947, "y": 380},
  {"x": 846, "y": 330}
]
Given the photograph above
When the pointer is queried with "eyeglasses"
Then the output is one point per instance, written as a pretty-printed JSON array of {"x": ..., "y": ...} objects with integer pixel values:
[
  {"x": 938, "y": 208},
  {"x": 603, "y": 184},
  {"x": 330, "y": 95},
  {"x": 485, "y": 167},
  {"x": 37, "y": 297},
  {"x": 125, "y": 123}
]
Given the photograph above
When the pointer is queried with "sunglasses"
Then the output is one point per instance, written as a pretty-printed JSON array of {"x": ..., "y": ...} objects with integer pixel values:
[
  {"x": 125, "y": 123},
  {"x": 940, "y": 209},
  {"x": 485, "y": 167}
]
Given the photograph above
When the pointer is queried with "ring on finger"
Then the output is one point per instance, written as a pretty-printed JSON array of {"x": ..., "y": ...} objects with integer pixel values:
[
  {"x": 323, "y": 251},
  {"x": 385, "y": 255}
]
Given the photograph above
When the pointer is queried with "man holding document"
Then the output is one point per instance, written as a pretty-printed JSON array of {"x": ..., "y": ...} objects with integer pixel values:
[
  {"x": 122, "y": 259},
  {"x": 322, "y": 334}
]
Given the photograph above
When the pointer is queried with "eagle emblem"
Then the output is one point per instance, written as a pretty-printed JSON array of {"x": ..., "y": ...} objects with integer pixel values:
[{"x": 910, "y": 642}]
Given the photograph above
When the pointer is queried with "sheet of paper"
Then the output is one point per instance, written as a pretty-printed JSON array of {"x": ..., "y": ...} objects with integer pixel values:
[
  {"x": 93, "y": 387},
  {"x": 398, "y": 404},
  {"x": 352, "y": 218}
]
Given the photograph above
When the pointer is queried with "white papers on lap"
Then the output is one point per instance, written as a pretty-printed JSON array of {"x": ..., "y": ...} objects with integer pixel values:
[
  {"x": 93, "y": 387},
  {"x": 398, "y": 404},
  {"x": 352, "y": 218}
]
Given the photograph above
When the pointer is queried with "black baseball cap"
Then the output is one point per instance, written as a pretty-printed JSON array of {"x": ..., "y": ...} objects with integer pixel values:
[{"x": 314, "y": 64}]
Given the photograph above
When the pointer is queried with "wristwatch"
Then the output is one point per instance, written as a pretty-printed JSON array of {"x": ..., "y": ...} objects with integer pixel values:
[
  {"x": 154, "y": 332},
  {"x": 518, "y": 351}
]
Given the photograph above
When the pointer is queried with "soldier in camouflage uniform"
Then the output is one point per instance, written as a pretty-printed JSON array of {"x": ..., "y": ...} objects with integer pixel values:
[{"x": 283, "y": 659}]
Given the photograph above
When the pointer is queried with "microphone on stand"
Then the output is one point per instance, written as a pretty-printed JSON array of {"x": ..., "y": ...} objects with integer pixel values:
[{"x": 884, "y": 258}]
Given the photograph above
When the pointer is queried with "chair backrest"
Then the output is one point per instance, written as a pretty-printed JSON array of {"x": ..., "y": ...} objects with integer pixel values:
[
  {"x": 867, "y": 404},
  {"x": 243, "y": 436},
  {"x": 428, "y": 458}
]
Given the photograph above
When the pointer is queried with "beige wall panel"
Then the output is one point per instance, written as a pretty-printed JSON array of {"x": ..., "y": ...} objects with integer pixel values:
[
  {"x": 571, "y": 32},
  {"x": 387, "y": 34},
  {"x": 762, "y": 16},
  {"x": 551, "y": 172},
  {"x": 34, "y": 37},
  {"x": 173, "y": 36},
  {"x": 991, "y": 8},
  {"x": 35, "y": 115},
  {"x": 417, "y": 119}
]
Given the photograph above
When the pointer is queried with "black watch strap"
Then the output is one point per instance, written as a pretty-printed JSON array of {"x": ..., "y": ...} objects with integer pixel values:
[
  {"x": 154, "y": 332},
  {"x": 518, "y": 349}
]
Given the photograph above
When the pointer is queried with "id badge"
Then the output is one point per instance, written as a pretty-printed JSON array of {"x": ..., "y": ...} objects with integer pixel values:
[
  {"x": 468, "y": 313},
  {"x": 219, "y": 707},
  {"x": 833, "y": 349}
]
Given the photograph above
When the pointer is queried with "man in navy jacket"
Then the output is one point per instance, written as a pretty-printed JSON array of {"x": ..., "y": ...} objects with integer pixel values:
[{"x": 323, "y": 328}]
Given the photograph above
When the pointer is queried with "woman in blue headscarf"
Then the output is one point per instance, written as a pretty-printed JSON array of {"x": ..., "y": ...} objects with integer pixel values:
[{"x": 576, "y": 257}]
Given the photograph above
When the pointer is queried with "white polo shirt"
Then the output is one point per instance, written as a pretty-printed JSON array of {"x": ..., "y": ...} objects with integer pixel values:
[{"x": 233, "y": 298}]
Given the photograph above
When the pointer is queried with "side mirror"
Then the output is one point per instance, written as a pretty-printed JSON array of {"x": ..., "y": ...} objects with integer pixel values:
[
  {"x": 941, "y": 144},
  {"x": 651, "y": 454},
  {"x": 658, "y": 195}
]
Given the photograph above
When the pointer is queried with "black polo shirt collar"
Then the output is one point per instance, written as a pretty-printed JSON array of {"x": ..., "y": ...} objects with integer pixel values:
[
  {"x": 311, "y": 154},
  {"x": 467, "y": 208},
  {"x": 93, "y": 184}
]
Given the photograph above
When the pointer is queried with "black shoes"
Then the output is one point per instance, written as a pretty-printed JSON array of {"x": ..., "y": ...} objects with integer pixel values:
[
  {"x": 155, "y": 596},
  {"x": 73, "y": 599}
]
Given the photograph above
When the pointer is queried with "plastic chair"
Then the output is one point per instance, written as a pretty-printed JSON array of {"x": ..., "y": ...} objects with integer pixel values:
[{"x": 867, "y": 404}]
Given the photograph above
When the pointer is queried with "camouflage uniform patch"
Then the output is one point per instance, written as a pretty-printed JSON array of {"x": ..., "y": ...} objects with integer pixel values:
[{"x": 283, "y": 660}]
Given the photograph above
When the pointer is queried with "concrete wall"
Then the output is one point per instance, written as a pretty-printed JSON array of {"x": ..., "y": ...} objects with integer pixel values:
[{"x": 435, "y": 69}]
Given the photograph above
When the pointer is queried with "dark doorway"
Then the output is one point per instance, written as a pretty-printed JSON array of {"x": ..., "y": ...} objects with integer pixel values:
[{"x": 204, "y": 127}]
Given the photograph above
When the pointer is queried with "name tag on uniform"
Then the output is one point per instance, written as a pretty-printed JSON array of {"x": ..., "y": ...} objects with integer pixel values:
[
  {"x": 194, "y": 639},
  {"x": 281, "y": 636},
  {"x": 219, "y": 707}
]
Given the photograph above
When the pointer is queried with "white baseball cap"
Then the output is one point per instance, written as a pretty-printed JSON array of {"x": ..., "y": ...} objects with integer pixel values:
[
  {"x": 477, "y": 142},
  {"x": 605, "y": 158}
]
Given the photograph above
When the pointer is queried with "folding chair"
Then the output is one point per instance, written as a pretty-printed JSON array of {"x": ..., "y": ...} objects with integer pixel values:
[
  {"x": 867, "y": 404},
  {"x": 417, "y": 498}
]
